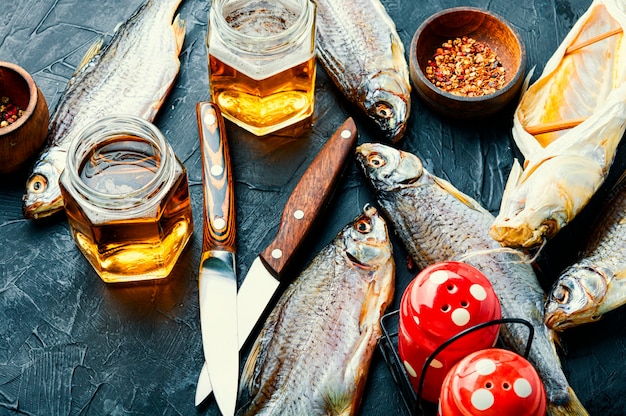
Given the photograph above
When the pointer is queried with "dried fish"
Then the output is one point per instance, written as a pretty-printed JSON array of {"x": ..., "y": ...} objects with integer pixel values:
[
  {"x": 312, "y": 356},
  {"x": 596, "y": 283},
  {"x": 132, "y": 75},
  {"x": 582, "y": 87},
  {"x": 358, "y": 46},
  {"x": 436, "y": 223}
]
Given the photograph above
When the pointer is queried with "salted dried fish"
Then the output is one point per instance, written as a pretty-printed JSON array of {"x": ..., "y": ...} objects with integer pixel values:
[
  {"x": 312, "y": 356},
  {"x": 436, "y": 223},
  {"x": 132, "y": 75},
  {"x": 564, "y": 168},
  {"x": 359, "y": 47},
  {"x": 596, "y": 283}
]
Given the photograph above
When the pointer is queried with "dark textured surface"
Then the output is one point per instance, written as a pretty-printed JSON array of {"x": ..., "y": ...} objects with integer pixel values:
[{"x": 69, "y": 344}]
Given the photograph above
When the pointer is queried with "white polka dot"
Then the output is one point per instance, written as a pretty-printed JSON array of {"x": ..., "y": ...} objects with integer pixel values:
[
  {"x": 460, "y": 316},
  {"x": 416, "y": 319},
  {"x": 478, "y": 292},
  {"x": 410, "y": 369},
  {"x": 436, "y": 364},
  {"x": 482, "y": 399},
  {"x": 485, "y": 367},
  {"x": 438, "y": 277},
  {"x": 522, "y": 388}
]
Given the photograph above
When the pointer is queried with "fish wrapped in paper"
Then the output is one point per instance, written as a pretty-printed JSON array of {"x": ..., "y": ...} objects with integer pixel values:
[
  {"x": 567, "y": 125},
  {"x": 596, "y": 283},
  {"x": 313, "y": 354},
  {"x": 436, "y": 222},
  {"x": 359, "y": 47}
]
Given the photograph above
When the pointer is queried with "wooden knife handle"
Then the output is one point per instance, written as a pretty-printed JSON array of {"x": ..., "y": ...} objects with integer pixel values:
[
  {"x": 309, "y": 197},
  {"x": 219, "y": 207}
]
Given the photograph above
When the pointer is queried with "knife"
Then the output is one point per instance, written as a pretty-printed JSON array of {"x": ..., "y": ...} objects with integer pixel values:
[
  {"x": 217, "y": 281},
  {"x": 306, "y": 202}
]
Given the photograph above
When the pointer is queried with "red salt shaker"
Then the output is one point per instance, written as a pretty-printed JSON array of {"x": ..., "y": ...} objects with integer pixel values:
[
  {"x": 492, "y": 382},
  {"x": 443, "y": 300}
]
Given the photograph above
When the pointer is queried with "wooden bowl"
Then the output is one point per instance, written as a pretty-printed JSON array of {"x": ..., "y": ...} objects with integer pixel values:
[
  {"x": 20, "y": 140},
  {"x": 483, "y": 26}
]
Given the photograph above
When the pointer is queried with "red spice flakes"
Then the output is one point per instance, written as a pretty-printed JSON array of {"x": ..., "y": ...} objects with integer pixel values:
[
  {"x": 9, "y": 112},
  {"x": 466, "y": 67}
]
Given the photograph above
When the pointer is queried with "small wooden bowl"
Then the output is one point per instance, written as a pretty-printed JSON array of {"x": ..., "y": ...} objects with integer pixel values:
[
  {"x": 483, "y": 26},
  {"x": 20, "y": 140}
]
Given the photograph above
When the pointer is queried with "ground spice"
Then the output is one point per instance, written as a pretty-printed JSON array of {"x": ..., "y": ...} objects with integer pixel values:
[
  {"x": 9, "y": 112},
  {"x": 466, "y": 67}
]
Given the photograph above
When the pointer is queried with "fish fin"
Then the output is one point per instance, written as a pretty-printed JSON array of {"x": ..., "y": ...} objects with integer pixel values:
[
  {"x": 463, "y": 198},
  {"x": 247, "y": 375},
  {"x": 93, "y": 50},
  {"x": 179, "y": 32},
  {"x": 572, "y": 408}
]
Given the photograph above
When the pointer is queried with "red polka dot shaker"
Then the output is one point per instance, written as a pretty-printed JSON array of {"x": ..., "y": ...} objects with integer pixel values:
[
  {"x": 492, "y": 382},
  {"x": 443, "y": 300}
]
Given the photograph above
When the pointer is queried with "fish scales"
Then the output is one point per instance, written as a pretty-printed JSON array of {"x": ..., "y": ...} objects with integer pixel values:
[
  {"x": 436, "y": 223},
  {"x": 313, "y": 353},
  {"x": 131, "y": 75},
  {"x": 596, "y": 283},
  {"x": 359, "y": 47}
]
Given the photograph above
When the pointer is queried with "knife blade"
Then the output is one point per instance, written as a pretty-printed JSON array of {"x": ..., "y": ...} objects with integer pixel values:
[
  {"x": 217, "y": 281},
  {"x": 306, "y": 202}
]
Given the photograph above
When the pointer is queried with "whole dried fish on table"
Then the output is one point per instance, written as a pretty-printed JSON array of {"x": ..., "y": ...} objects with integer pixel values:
[
  {"x": 132, "y": 75},
  {"x": 312, "y": 356},
  {"x": 596, "y": 283},
  {"x": 358, "y": 46},
  {"x": 436, "y": 223},
  {"x": 567, "y": 125}
]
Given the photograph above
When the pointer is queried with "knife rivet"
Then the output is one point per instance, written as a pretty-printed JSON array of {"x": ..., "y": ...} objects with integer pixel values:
[
  {"x": 216, "y": 170},
  {"x": 219, "y": 223},
  {"x": 210, "y": 119},
  {"x": 299, "y": 214},
  {"x": 345, "y": 134},
  {"x": 277, "y": 253}
]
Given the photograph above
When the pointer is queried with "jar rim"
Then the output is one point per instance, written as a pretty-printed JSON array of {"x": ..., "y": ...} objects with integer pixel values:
[
  {"x": 273, "y": 41},
  {"x": 110, "y": 127}
]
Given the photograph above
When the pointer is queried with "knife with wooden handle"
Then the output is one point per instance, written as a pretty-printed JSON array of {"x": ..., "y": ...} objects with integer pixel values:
[
  {"x": 217, "y": 280},
  {"x": 306, "y": 203}
]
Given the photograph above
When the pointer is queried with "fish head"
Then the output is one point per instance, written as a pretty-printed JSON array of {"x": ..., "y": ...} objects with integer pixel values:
[
  {"x": 43, "y": 195},
  {"x": 386, "y": 99},
  {"x": 388, "y": 168},
  {"x": 542, "y": 199},
  {"x": 576, "y": 297},
  {"x": 366, "y": 240}
]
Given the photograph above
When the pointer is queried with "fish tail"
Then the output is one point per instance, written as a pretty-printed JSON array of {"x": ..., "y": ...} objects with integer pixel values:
[{"x": 572, "y": 408}]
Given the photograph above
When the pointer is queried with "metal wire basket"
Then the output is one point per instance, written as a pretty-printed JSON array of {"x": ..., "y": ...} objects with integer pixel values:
[{"x": 388, "y": 345}]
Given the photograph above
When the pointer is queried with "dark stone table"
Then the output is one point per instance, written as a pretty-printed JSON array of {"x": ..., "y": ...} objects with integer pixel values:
[{"x": 70, "y": 344}]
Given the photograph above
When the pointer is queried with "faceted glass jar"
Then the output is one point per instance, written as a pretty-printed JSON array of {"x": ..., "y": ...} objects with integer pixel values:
[
  {"x": 262, "y": 62},
  {"x": 126, "y": 197}
]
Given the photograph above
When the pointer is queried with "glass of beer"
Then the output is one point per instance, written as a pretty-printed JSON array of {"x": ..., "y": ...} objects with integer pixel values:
[{"x": 262, "y": 62}]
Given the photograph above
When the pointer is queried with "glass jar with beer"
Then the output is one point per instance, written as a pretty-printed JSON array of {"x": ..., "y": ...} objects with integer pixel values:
[
  {"x": 126, "y": 197},
  {"x": 262, "y": 62}
]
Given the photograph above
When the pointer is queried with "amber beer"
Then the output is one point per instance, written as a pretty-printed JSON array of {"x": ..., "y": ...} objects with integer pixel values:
[
  {"x": 126, "y": 196},
  {"x": 262, "y": 62}
]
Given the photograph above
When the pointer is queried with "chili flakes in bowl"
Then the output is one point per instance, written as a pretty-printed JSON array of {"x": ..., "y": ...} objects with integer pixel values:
[{"x": 467, "y": 67}]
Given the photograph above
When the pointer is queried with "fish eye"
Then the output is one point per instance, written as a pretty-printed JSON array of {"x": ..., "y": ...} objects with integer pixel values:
[
  {"x": 384, "y": 110},
  {"x": 37, "y": 184},
  {"x": 375, "y": 160},
  {"x": 363, "y": 226},
  {"x": 561, "y": 294}
]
